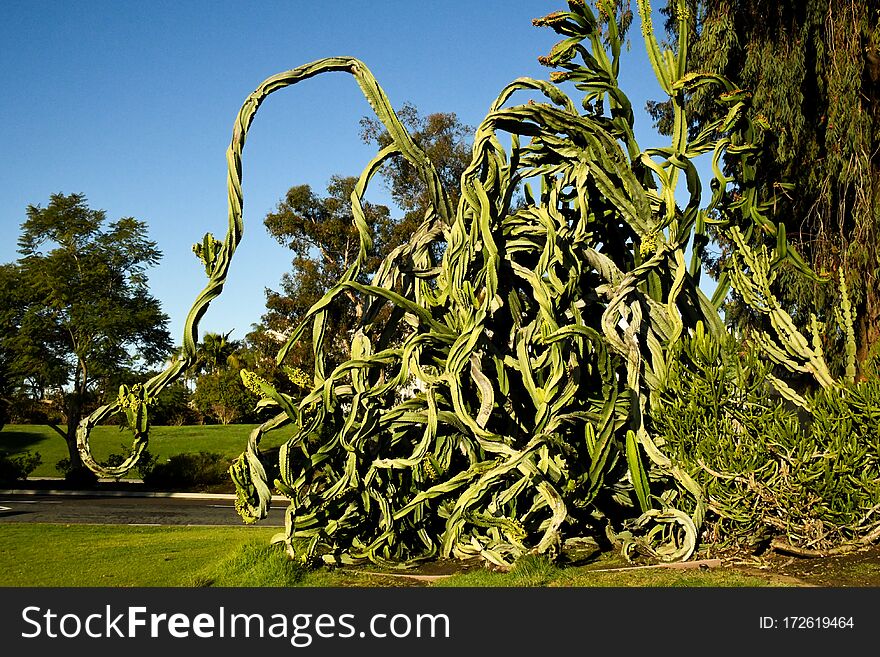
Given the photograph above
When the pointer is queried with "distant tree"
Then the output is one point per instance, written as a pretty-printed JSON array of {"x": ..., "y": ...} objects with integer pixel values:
[
  {"x": 10, "y": 314},
  {"x": 171, "y": 406},
  {"x": 321, "y": 233},
  {"x": 220, "y": 395},
  {"x": 85, "y": 310},
  {"x": 213, "y": 352},
  {"x": 813, "y": 68},
  {"x": 447, "y": 143}
]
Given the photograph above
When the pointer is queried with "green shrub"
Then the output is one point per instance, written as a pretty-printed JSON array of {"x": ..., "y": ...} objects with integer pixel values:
[
  {"x": 81, "y": 476},
  {"x": 18, "y": 467},
  {"x": 186, "y": 471},
  {"x": 769, "y": 468}
]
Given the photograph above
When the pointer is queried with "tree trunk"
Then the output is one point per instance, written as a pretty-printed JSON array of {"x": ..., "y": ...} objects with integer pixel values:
[
  {"x": 78, "y": 472},
  {"x": 868, "y": 325},
  {"x": 868, "y": 333}
]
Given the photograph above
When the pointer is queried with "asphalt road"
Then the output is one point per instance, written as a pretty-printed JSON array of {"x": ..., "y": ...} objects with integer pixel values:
[{"x": 93, "y": 510}]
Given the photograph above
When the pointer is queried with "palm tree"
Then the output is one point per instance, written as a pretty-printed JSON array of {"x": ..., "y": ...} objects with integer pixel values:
[{"x": 214, "y": 351}]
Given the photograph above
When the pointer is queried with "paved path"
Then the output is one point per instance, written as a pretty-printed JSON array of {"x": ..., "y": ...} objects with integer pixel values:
[{"x": 87, "y": 509}]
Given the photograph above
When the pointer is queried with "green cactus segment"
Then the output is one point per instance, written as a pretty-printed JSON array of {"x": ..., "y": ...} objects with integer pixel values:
[
  {"x": 253, "y": 494},
  {"x": 498, "y": 400},
  {"x": 208, "y": 251},
  {"x": 134, "y": 402},
  {"x": 846, "y": 319},
  {"x": 751, "y": 274}
]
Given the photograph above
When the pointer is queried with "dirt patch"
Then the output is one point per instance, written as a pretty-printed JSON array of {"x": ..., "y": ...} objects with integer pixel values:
[
  {"x": 860, "y": 568},
  {"x": 418, "y": 575},
  {"x": 857, "y": 569}
]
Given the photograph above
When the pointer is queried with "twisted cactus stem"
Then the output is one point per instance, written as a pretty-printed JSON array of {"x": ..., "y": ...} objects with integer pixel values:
[
  {"x": 846, "y": 319},
  {"x": 510, "y": 384},
  {"x": 217, "y": 256}
]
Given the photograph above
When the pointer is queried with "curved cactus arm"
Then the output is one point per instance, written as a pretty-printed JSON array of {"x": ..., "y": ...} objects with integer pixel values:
[
  {"x": 659, "y": 59},
  {"x": 491, "y": 397},
  {"x": 253, "y": 495},
  {"x": 846, "y": 319},
  {"x": 217, "y": 256}
]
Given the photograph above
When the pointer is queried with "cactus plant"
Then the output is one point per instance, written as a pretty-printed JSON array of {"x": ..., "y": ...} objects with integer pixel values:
[{"x": 500, "y": 407}]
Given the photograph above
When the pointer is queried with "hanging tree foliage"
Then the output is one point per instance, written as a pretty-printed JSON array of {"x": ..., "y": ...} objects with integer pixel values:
[
  {"x": 497, "y": 399},
  {"x": 813, "y": 68}
]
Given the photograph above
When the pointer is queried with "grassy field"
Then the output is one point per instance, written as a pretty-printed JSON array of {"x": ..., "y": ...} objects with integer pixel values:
[
  {"x": 113, "y": 555},
  {"x": 118, "y": 555},
  {"x": 228, "y": 441}
]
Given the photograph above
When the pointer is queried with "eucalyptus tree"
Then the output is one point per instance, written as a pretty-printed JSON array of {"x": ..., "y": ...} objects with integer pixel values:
[{"x": 812, "y": 68}]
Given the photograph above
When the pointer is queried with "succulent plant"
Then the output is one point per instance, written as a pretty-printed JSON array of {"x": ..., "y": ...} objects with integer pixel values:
[{"x": 496, "y": 398}]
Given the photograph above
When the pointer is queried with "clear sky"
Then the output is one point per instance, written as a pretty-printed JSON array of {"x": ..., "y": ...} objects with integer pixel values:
[{"x": 132, "y": 104}]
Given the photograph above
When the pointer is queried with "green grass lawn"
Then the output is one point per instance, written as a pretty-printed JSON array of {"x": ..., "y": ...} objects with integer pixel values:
[
  {"x": 114, "y": 555},
  {"x": 119, "y": 555},
  {"x": 228, "y": 441}
]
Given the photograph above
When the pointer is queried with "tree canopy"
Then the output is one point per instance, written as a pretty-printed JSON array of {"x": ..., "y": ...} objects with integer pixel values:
[
  {"x": 442, "y": 137},
  {"x": 813, "y": 69},
  {"x": 9, "y": 319},
  {"x": 320, "y": 231},
  {"x": 84, "y": 310}
]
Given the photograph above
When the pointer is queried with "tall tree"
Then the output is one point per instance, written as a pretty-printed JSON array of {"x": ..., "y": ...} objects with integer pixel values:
[
  {"x": 10, "y": 317},
  {"x": 446, "y": 142},
  {"x": 86, "y": 310},
  {"x": 813, "y": 67},
  {"x": 321, "y": 233}
]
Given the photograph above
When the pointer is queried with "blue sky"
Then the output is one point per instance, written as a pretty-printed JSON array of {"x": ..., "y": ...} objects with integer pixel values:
[{"x": 132, "y": 104}]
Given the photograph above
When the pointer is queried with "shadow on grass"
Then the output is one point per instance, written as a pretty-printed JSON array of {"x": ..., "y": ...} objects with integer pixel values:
[{"x": 13, "y": 442}]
